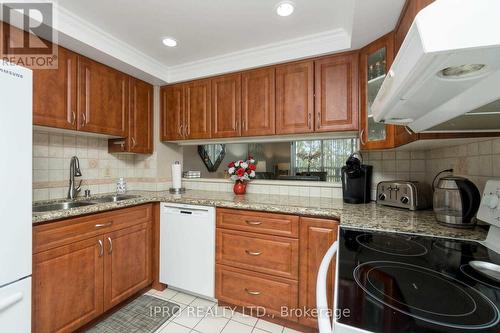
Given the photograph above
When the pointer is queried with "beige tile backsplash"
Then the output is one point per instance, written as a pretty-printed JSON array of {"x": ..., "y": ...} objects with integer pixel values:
[
  {"x": 100, "y": 170},
  {"x": 477, "y": 161}
]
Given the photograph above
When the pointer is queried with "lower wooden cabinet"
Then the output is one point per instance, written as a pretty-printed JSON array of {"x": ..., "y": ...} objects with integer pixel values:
[
  {"x": 67, "y": 286},
  {"x": 76, "y": 282},
  {"x": 127, "y": 263},
  {"x": 264, "y": 268},
  {"x": 316, "y": 237}
]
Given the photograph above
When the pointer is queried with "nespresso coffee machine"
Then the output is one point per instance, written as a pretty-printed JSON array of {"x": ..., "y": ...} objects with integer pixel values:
[{"x": 356, "y": 180}]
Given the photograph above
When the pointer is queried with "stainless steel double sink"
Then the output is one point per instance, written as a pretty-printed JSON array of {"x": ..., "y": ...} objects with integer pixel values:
[{"x": 40, "y": 208}]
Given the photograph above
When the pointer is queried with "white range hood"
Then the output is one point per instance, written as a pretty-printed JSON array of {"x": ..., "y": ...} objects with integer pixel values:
[{"x": 446, "y": 76}]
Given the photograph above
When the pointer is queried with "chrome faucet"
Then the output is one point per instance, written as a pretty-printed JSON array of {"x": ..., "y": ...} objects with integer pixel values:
[{"x": 74, "y": 171}]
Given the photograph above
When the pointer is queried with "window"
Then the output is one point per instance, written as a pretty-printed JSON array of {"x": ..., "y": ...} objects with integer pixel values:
[{"x": 322, "y": 156}]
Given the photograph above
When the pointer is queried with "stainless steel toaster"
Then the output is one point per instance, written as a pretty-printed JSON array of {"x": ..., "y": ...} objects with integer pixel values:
[{"x": 404, "y": 194}]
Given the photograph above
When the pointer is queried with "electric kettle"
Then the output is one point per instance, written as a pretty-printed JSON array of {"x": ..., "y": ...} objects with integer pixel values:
[{"x": 456, "y": 201}]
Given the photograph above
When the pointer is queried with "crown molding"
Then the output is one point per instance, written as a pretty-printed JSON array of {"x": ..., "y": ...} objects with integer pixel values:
[
  {"x": 311, "y": 45},
  {"x": 89, "y": 40}
]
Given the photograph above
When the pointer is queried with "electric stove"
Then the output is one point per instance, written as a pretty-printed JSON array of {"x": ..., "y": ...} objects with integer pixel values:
[{"x": 392, "y": 282}]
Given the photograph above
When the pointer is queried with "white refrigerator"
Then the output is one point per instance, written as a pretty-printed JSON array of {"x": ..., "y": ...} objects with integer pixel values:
[{"x": 15, "y": 197}]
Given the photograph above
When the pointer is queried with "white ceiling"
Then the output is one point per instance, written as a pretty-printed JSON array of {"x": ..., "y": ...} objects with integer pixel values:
[{"x": 215, "y": 35}]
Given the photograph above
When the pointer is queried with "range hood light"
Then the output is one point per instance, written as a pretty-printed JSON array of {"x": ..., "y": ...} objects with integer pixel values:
[
  {"x": 482, "y": 113},
  {"x": 458, "y": 72}
]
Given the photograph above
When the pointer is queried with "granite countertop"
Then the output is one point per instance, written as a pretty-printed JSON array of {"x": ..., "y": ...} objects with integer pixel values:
[{"x": 367, "y": 216}]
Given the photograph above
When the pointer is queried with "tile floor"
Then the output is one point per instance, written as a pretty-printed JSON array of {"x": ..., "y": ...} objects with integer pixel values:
[{"x": 202, "y": 316}]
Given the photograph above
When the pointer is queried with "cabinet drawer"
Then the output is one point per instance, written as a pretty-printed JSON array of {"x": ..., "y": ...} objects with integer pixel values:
[
  {"x": 60, "y": 233},
  {"x": 260, "y": 253},
  {"x": 260, "y": 222},
  {"x": 245, "y": 288}
]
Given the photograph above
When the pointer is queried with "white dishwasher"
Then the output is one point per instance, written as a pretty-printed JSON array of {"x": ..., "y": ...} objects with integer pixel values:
[{"x": 187, "y": 248}]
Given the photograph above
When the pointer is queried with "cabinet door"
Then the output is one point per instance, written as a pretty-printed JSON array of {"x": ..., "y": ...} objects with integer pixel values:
[
  {"x": 295, "y": 98},
  {"x": 141, "y": 117},
  {"x": 67, "y": 286},
  {"x": 375, "y": 60},
  {"x": 336, "y": 105},
  {"x": 127, "y": 263},
  {"x": 103, "y": 99},
  {"x": 226, "y": 106},
  {"x": 172, "y": 112},
  {"x": 197, "y": 107},
  {"x": 258, "y": 102},
  {"x": 316, "y": 237},
  {"x": 54, "y": 93}
]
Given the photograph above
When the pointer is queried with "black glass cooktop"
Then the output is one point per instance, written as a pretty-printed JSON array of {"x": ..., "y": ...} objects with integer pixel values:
[{"x": 392, "y": 282}]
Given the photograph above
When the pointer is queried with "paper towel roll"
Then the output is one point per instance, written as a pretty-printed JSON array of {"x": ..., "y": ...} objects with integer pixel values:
[{"x": 177, "y": 175}]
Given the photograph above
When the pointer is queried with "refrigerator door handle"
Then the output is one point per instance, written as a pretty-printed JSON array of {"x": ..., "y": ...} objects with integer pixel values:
[{"x": 10, "y": 301}]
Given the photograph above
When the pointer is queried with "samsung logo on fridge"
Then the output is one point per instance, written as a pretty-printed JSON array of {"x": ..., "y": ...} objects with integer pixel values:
[{"x": 9, "y": 72}]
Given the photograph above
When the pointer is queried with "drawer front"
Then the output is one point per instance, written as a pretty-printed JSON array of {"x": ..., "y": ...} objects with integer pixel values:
[
  {"x": 245, "y": 288},
  {"x": 64, "y": 232},
  {"x": 260, "y": 222},
  {"x": 261, "y": 253}
]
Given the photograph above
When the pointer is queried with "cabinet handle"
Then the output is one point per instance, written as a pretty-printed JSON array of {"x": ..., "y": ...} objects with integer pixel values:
[
  {"x": 250, "y": 292},
  {"x": 110, "y": 245},
  {"x": 84, "y": 120},
  {"x": 73, "y": 118},
  {"x": 236, "y": 125},
  {"x": 243, "y": 125},
  {"x": 361, "y": 137},
  {"x": 309, "y": 120},
  {"x": 255, "y": 254},
  {"x": 253, "y": 222},
  {"x": 101, "y": 248},
  {"x": 102, "y": 225},
  {"x": 179, "y": 131},
  {"x": 133, "y": 142},
  {"x": 319, "y": 120}
]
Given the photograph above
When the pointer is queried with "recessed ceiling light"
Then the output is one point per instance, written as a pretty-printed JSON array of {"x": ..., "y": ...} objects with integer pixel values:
[
  {"x": 170, "y": 42},
  {"x": 285, "y": 8}
]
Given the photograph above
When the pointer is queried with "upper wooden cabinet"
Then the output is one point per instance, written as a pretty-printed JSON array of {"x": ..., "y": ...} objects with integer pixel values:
[
  {"x": 172, "y": 112},
  {"x": 54, "y": 93},
  {"x": 336, "y": 93},
  {"x": 140, "y": 121},
  {"x": 197, "y": 108},
  {"x": 226, "y": 106},
  {"x": 410, "y": 10},
  {"x": 375, "y": 61},
  {"x": 258, "y": 102},
  {"x": 140, "y": 133},
  {"x": 295, "y": 98},
  {"x": 103, "y": 99}
]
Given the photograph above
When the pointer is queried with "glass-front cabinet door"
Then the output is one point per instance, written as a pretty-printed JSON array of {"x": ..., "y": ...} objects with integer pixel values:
[{"x": 376, "y": 59}]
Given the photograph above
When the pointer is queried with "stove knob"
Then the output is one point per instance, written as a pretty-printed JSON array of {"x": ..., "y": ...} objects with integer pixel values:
[
  {"x": 381, "y": 196},
  {"x": 405, "y": 200}
]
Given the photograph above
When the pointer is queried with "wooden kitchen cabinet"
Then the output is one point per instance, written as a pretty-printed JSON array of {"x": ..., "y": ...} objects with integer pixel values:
[
  {"x": 226, "y": 106},
  {"x": 127, "y": 263},
  {"x": 316, "y": 237},
  {"x": 55, "y": 93},
  {"x": 197, "y": 110},
  {"x": 140, "y": 121},
  {"x": 295, "y": 98},
  {"x": 103, "y": 99},
  {"x": 258, "y": 102},
  {"x": 375, "y": 61},
  {"x": 67, "y": 286},
  {"x": 172, "y": 112},
  {"x": 336, "y": 93},
  {"x": 272, "y": 260},
  {"x": 86, "y": 265}
]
